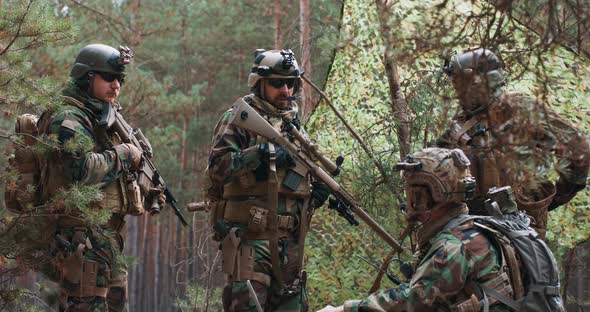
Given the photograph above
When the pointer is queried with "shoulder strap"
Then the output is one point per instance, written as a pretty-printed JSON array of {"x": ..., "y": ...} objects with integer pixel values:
[
  {"x": 273, "y": 194},
  {"x": 460, "y": 219}
]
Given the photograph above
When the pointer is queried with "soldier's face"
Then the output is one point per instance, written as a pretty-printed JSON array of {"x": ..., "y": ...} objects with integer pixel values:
[
  {"x": 105, "y": 90},
  {"x": 278, "y": 91},
  {"x": 471, "y": 90}
]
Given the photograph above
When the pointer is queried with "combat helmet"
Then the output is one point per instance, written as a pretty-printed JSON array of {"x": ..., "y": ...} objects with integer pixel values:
[
  {"x": 436, "y": 176},
  {"x": 480, "y": 62},
  {"x": 101, "y": 58},
  {"x": 273, "y": 64}
]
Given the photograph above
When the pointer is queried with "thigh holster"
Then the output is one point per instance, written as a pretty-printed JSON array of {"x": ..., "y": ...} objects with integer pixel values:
[{"x": 238, "y": 260}]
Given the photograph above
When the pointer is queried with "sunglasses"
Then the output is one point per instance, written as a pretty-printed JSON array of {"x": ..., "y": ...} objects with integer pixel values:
[
  {"x": 108, "y": 77},
  {"x": 277, "y": 83}
]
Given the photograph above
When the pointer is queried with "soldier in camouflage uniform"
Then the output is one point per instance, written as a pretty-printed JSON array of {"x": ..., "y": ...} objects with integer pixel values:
[
  {"x": 244, "y": 195},
  {"x": 512, "y": 139},
  {"x": 452, "y": 261},
  {"x": 85, "y": 256}
]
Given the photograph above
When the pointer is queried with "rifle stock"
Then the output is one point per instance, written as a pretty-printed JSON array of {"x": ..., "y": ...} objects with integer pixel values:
[
  {"x": 247, "y": 118},
  {"x": 148, "y": 175}
]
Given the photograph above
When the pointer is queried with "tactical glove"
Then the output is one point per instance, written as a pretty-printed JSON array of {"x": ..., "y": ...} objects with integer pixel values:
[
  {"x": 319, "y": 194},
  {"x": 129, "y": 155},
  {"x": 135, "y": 155},
  {"x": 283, "y": 158}
]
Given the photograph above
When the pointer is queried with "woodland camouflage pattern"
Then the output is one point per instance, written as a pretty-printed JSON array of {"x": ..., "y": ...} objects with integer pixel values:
[
  {"x": 87, "y": 155},
  {"x": 83, "y": 163},
  {"x": 451, "y": 258},
  {"x": 235, "y": 157},
  {"x": 521, "y": 139}
]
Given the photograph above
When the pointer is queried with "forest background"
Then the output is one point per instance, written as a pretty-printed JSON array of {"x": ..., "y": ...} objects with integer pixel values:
[{"x": 378, "y": 61}]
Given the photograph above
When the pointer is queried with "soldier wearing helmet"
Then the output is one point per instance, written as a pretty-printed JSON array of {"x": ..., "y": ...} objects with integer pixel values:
[
  {"x": 244, "y": 191},
  {"x": 453, "y": 258},
  {"x": 512, "y": 139},
  {"x": 85, "y": 255}
]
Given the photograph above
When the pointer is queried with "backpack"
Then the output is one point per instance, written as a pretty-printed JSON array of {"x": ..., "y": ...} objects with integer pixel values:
[
  {"x": 22, "y": 184},
  {"x": 532, "y": 266}
]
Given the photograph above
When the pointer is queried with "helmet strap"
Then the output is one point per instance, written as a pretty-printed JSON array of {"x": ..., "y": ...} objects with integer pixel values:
[
  {"x": 261, "y": 89},
  {"x": 91, "y": 76}
]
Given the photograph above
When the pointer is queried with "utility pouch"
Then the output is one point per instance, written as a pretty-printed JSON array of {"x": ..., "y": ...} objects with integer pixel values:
[
  {"x": 292, "y": 180},
  {"x": 245, "y": 267},
  {"x": 258, "y": 219},
  {"x": 134, "y": 196},
  {"x": 229, "y": 252},
  {"x": 71, "y": 266}
]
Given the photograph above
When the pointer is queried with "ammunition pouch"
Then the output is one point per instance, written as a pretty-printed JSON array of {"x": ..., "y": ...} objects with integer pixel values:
[
  {"x": 238, "y": 260},
  {"x": 250, "y": 213},
  {"x": 257, "y": 220}
]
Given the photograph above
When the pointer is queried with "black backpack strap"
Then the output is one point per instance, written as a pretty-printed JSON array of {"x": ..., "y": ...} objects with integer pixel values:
[{"x": 514, "y": 305}]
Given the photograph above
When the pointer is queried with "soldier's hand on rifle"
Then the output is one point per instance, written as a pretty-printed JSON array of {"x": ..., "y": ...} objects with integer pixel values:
[
  {"x": 135, "y": 155},
  {"x": 319, "y": 193},
  {"x": 130, "y": 155},
  {"x": 283, "y": 158}
]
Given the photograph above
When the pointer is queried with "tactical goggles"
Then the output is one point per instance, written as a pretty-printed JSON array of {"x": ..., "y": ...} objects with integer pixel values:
[
  {"x": 278, "y": 83},
  {"x": 108, "y": 77}
]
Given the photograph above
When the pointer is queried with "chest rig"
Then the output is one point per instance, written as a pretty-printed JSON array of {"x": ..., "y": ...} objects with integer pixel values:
[
  {"x": 252, "y": 196},
  {"x": 115, "y": 194},
  {"x": 268, "y": 207}
]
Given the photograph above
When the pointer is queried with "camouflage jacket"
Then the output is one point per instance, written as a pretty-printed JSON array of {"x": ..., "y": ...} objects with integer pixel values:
[
  {"x": 452, "y": 260},
  {"x": 517, "y": 141},
  {"x": 86, "y": 154},
  {"x": 235, "y": 150}
]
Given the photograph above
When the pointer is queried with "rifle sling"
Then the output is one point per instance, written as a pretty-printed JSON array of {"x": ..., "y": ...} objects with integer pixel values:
[{"x": 273, "y": 200}]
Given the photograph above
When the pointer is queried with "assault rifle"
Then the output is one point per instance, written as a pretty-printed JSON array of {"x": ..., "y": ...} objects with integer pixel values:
[
  {"x": 247, "y": 118},
  {"x": 148, "y": 176}
]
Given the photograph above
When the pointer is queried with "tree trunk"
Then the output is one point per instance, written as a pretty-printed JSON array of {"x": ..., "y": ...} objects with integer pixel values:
[
  {"x": 305, "y": 58},
  {"x": 141, "y": 292},
  {"x": 163, "y": 268},
  {"x": 399, "y": 106},
  {"x": 277, "y": 22},
  {"x": 171, "y": 253}
]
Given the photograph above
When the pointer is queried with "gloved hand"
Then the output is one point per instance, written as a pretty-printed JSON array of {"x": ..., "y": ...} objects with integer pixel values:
[
  {"x": 129, "y": 154},
  {"x": 135, "y": 155},
  {"x": 319, "y": 194},
  {"x": 283, "y": 158}
]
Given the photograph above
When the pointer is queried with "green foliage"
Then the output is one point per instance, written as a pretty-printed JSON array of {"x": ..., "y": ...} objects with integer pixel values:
[
  {"x": 199, "y": 298},
  {"x": 418, "y": 32},
  {"x": 26, "y": 25}
]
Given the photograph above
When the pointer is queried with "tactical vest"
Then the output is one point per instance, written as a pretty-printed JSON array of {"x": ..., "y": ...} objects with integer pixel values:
[
  {"x": 247, "y": 203},
  {"x": 472, "y": 135},
  {"x": 52, "y": 178}
]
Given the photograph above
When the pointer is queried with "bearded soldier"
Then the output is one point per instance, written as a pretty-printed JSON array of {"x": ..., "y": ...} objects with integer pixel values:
[
  {"x": 262, "y": 198},
  {"x": 462, "y": 264},
  {"x": 86, "y": 260},
  {"x": 512, "y": 139}
]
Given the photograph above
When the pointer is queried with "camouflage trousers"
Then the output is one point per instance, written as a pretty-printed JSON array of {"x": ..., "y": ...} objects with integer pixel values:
[
  {"x": 91, "y": 274},
  {"x": 236, "y": 297}
]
